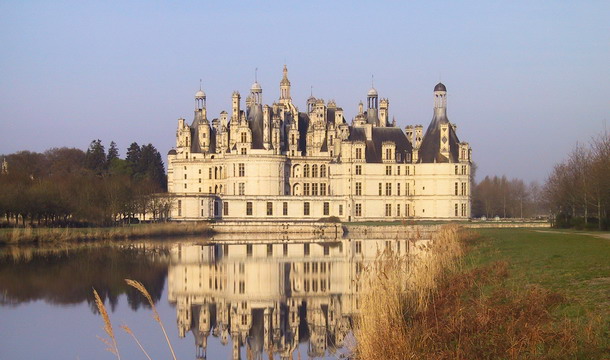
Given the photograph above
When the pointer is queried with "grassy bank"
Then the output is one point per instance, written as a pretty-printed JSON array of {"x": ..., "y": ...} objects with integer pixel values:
[
  {"x": 518, "y": 294},
  {"x": 21, "y": 235}
]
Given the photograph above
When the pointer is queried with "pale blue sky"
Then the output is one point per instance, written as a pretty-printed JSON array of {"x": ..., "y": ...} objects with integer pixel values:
[{"x": 526, "y": 80}]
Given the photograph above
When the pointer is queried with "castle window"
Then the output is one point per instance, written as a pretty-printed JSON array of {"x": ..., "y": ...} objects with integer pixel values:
[
  {"x": 179, "y": 207},
  {"x": 463, "y": 169},
  {"x": 314, "y": 189},
  {"x": 242, "y": 189},
  {"x": 456, "y": 209},
  {"x": 398, "y": 189},
  {"x": 249, "y": 208},
  {"x": 242, "y": 170},
  {"x": 306, "y": 170},
  {"x": 322, "y": 189},
  {"x": 184, "y": 176},
  {"x": 200, "y": 180},
  {"x": 358, "y": 169},
  {"x": 407, "y": 189},
  {"x": 456, "y": 169},
  {"x": 398, "y": 214},
  {"x": 323, "y": 171},
  {"x": 244, "y": 137},
  {"x": 358, "y": 208},
  {"x": 306, "y": 189},
  {"x": 185, "y": 186},
  {"x": 285, "y": 249},
  {"x": 225, "y": 208},
  {"x": 407, "y": 209},
  {"x": 388, "y": 209},
  {"x": 199, "y": 171},
  {"x": 243, "y": 151},
  {"x": 326, "y": 208},
  {"x": 210, "y": 173},
  {"x": 359, "y": 153},
  {"x": 463, "y": 188},
  {"x": 388, "y": 170},
  {"x": 242, "y": 286},
  {"x": 456, "y": 188},
  {"x": 380, "y": 188},
  {"x": 314, "y": 171},
  {"x": 269, "y": 208},
  {"x": 306, "y": 249},
  {"x": 358, "y": 188},
  {"x": 340, "y": 209},
  {"x": 388, "y": 189},
  {"x": 199, "y": 189},
  {"x": 285, "y": 208},
  {"x": 407, "y": 170},
  {"x": 398, "y": 170},
  {"x": 388, "y": 154},
  {"x": 269, "y": 250},
  {"x": 306, "y": 208}
]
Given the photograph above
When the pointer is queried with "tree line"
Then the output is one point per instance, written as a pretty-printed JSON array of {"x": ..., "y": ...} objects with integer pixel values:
[
  {"x": 68, "y": 186},
  {"x": 499, "y": 196},
  {"x": 578, "y": 189},
  {"x": 575, "y": 194}
]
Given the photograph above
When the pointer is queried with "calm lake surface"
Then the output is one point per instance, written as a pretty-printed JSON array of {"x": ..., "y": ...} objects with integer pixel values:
[{"x": 221, "y": 298}]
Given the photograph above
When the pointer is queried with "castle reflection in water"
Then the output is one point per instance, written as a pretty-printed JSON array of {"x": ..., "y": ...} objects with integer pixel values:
[{"x": 270, "y": 296}]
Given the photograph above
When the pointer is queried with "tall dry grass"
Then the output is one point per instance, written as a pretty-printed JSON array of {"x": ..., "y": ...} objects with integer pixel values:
[
  {"x": 430, "y": 307},
  {"x": 21, "y": 235},
  {"x": 398, "y": 287},
  {"x": 111, "y": 341}
]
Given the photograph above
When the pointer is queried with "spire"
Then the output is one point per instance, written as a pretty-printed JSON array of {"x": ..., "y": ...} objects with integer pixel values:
[{"x": 285, "y": 87}]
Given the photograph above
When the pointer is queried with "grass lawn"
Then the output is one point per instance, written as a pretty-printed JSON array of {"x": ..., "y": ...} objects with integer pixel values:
[{"x": 573, "y": 264}]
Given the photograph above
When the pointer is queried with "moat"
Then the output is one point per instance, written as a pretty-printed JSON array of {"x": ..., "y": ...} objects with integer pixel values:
[{"x": 227, "y": 297}]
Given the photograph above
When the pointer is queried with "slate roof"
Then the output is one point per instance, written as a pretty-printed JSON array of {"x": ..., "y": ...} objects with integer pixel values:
[
  {"x": 373, "y": 152},
  {"x": 429, "y": 151},
  {"x": 255, "y": 122}
]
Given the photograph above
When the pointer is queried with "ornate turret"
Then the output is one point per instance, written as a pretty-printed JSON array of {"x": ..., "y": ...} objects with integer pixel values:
[
  {"x": 372, "y": 99},
  {"x": 285, "y": 88}
]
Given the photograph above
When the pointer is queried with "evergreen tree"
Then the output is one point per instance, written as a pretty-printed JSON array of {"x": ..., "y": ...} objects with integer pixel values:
[
  {"x": 95, "y": 158},
  {"x": 113, "y": 152},
  {"x": 133, "y": 157}
]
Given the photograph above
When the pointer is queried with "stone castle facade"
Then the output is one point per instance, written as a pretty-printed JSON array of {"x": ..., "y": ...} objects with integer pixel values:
[{"x": 274, "y": 162}]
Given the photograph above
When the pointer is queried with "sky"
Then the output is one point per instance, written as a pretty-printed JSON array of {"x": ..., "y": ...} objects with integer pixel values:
[{"x": 526, "y": 80}]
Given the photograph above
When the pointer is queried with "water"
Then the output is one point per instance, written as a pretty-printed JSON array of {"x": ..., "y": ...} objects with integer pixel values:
[{"x": 220, "y": 298}]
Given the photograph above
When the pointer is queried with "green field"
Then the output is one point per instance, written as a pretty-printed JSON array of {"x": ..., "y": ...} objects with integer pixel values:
[{"x": 574, "y": 264}]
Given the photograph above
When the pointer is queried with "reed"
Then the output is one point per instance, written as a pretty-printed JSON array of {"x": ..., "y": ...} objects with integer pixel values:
[
  {"x": 138, "y": 286},
  {"x": 433, "y": 306},
  {"x": 398, "y": 287},
  {"x": 22, "y": 235},
  {"x": 111, "y": 344},
  {"x": 135, "y": 338}
]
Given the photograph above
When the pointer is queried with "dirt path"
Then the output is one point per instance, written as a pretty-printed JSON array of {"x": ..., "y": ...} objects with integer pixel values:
[{"x": 602, "y": 235}]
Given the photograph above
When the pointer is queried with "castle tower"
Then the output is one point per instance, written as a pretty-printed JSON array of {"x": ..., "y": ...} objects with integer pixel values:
[
  {"x": 384, "y": 104},
  {"x": 256, "y": 93},
  {"x": 440, "y": 100},
  {"x": 201, "y": 121},
  {"x": 372, "y": 99},
  {"x": 285, "y": 88}
]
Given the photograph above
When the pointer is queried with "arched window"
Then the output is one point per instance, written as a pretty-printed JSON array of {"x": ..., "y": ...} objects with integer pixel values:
[
  {"x": 215, "y": 173},
  {"x": 323, "y": 171},
  {"x": 314, "y": 171},
  {"x": 306, "y": 170}
]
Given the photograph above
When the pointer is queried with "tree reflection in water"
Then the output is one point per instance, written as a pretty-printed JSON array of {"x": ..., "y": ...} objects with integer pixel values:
[{"x": 67, "y": 277}]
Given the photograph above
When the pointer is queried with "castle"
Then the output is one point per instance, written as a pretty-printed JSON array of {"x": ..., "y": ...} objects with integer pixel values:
[{"x": 273, "y": 162}]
